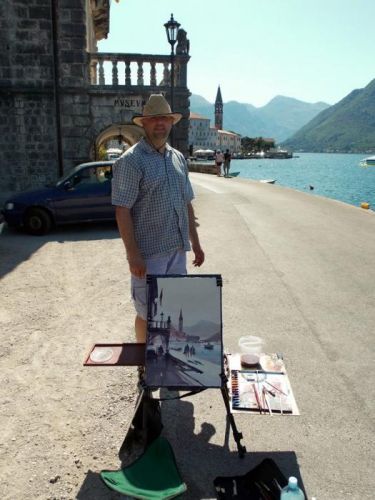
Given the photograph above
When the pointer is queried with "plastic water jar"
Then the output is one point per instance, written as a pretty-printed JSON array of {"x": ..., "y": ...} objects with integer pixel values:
[{"x": 251, "y": 344}]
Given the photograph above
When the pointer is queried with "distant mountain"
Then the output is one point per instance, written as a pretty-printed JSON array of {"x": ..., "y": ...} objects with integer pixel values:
[
  {"x": 279, "y": 119},
  {"x": 200, "y": 105},
  {"x": 204, "y": 329},
  {"x": 348, "y": 126},
  {"x": 245, "y": 120}
]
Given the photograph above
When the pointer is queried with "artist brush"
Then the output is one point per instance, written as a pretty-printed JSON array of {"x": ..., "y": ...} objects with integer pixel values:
[
  {"x": 263, "y": 491},
  {"x": 258, "y": 387},
  {"x": 257, "y": 398},
  {"x": 266, "y": 401},
  {"x": 277, "y": 484},
  {"x": 234, "y": 488},
  {"x": 271, "y": 393},
  {"x": 276, "y": 388},
  {"x": 264, "y": 486},
  {"x": 263, "y": 401}
]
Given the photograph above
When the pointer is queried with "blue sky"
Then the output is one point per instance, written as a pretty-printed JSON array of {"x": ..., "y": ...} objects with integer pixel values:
[
  {"x": 313, "y": 50},
  {"x": 199, "y": 299}
]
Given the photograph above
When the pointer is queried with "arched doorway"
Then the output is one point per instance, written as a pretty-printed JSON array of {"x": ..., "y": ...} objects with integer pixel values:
[{"x": 117, "y": 135}]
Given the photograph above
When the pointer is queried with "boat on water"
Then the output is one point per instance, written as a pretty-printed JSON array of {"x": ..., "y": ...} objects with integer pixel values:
[
  {"x": 368, "y": 162},
  {"x": 267, "y": 181},
  {"x": 208, "y": 346},
  {"x": 279, "y": 154},
  {"x": 275, "y": 154}
]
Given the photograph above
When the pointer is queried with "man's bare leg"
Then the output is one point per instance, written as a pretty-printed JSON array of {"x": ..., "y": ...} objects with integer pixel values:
[{"x": 140, "y": 329}]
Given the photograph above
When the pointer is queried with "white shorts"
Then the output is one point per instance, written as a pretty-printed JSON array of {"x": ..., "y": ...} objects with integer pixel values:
[{"x": 172, "y": 263}]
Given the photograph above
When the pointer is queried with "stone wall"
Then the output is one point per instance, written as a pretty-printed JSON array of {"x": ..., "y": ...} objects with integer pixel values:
[
  {"x": 28, "y": 135},
  {"x": 27, "y": 141},
  {"x": 26, "y": 44},
  {"x": 181, "y": 134},
  {"x": 73, "y": 58},
  {"x": 202, "y": 167},
  {"x": 76, "y": 125},
  {"x": 36, "y": 94}
]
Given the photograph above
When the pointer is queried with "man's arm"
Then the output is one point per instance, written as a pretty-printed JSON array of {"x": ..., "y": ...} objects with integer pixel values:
[
  {"x": 194, "y": 238},
  {"x": 136, "y": 262}
]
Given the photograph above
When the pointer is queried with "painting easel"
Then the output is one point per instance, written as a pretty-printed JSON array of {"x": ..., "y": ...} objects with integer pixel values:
[
  {"x": 145, "y": 423},
  {"x": 183, "y": 350}
]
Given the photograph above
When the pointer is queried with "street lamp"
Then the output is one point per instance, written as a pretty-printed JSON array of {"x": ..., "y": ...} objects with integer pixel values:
[{"x": 171, "y": 27}]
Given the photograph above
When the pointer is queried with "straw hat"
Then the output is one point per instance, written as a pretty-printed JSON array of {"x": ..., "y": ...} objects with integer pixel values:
[{"x": 157, "y": 105}]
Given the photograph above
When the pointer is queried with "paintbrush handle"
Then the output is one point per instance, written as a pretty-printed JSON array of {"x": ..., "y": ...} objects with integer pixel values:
[{"x": 257, "y": 398}]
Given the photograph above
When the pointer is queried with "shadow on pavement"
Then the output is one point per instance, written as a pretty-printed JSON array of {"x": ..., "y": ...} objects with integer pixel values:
[
  {"x": 16, "y": 246},
  {"x": 198, "y": 460}
]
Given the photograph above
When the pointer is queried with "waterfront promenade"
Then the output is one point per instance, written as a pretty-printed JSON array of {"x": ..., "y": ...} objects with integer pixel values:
[{"x": 298, "y": 270}]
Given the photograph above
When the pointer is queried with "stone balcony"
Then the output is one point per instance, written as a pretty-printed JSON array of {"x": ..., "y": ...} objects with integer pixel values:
[
  {"x": 141, "y": 72},
  {"x": 120, "y": 84}
]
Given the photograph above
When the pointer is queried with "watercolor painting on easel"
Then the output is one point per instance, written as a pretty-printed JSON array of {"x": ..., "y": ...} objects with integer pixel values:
[{"x": 184, "y": 346}]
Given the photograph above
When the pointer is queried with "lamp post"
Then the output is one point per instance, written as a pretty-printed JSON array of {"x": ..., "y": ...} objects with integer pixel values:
[{"x": 171, "y": 27}]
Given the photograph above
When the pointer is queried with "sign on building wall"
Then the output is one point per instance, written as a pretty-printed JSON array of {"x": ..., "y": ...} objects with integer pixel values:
[{"x": 133, "y": 103}]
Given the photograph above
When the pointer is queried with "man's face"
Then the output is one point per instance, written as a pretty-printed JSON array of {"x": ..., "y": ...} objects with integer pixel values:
[{"x": 157, "y": 128}]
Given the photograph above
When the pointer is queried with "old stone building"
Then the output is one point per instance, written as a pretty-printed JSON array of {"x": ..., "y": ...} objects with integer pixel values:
[
  {"x": 203, "y": 136},
  {"x": 60, "y": 99}
]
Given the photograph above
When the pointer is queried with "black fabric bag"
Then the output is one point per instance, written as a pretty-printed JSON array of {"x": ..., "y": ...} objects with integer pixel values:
[{"x": 265, "y": 482}]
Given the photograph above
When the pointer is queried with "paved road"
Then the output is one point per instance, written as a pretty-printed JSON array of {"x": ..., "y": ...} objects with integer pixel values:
[{"x": 298, "y": 270}]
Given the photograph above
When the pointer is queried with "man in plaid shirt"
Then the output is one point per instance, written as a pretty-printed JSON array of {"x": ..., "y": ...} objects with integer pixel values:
[{"x": 152, "y": 194}]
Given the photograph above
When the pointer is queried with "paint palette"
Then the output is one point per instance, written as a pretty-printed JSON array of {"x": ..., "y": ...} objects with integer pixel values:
[{"x": 261, "y": 392}]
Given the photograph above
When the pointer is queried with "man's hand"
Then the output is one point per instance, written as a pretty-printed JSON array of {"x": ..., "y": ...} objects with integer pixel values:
[
  {"x": 199, "y": 255},
  {"x": 193, "y": 234},
  {"x": 137, "y": 265}
]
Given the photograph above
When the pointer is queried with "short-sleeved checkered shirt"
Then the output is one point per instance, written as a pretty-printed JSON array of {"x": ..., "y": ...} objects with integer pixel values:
[{"x": 157, "y": 189}]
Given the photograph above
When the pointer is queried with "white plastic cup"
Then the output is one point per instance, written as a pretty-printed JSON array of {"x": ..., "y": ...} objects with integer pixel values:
[{"x": 251, "y": 344}]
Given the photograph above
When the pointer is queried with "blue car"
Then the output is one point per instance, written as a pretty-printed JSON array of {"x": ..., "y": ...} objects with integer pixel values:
[{"x": 83, "y": 195}]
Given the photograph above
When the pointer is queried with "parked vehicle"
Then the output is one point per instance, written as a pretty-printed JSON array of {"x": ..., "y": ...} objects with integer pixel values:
[
  {"x": 114, "y": 153},
  {"x": 83, "y": 195}
]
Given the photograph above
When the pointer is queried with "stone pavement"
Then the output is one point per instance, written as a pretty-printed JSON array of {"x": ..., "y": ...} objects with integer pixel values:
[{"x": 299, "y": 271}]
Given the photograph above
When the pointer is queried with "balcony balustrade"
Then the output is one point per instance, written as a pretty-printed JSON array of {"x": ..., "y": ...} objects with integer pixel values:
[{"x": 136, "y": 70}]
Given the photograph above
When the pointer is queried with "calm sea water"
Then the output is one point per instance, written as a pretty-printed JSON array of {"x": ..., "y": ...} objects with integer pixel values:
[{"x": 336, "y": 176}]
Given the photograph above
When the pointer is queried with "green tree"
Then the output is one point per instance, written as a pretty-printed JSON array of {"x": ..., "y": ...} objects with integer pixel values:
[{"x": 247, "y": 144}]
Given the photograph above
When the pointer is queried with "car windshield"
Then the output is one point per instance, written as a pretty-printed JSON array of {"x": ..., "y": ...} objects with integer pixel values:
[
  {"x": 101, "y": 172},
  {"x": 71, "y": 172}
]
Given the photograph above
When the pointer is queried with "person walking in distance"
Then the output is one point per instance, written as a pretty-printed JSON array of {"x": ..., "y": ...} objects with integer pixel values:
[
  {"x": 227, "y": 159},
  {"x": 152, "y": 194},
  {"x": 219, "y": 158}
]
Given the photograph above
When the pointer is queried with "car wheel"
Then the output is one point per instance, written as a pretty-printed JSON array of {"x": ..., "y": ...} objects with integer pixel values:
[{"x": 37, "y": 221}]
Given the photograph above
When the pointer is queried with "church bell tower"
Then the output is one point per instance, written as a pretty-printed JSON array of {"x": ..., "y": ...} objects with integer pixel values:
[{"x": 219, "y": 110}]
